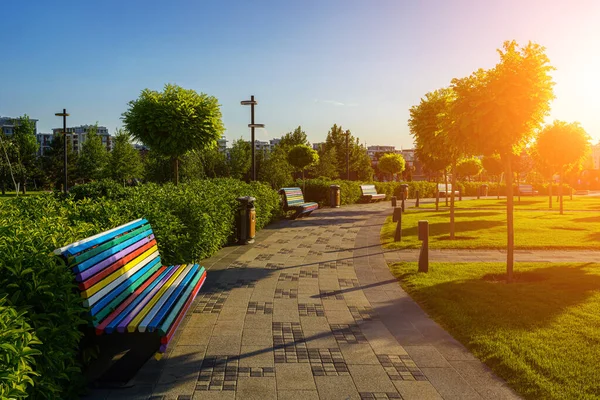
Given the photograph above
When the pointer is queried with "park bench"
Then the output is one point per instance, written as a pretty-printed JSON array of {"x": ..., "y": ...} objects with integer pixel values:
[
  {"x": 442, "y": 189},
  {"x": 524, "y": 189},
  {"x": 369, "y": 193},
  {"x": 125, "y": 286},
  {"x": 294, "y": 200}
]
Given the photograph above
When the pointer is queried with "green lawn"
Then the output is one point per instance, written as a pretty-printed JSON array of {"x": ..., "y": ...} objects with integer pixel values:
[
  {"x": 486, "y": 229},
  {"x": 526, "y": 203},
  {"x": 541, "y": 333}
]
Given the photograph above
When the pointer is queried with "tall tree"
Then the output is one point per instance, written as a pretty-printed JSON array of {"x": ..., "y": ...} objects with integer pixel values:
[
  {"x": 240, "y": 159},
  {"x": 392, "y": 164},
  {"x": 326, "y": 167},
  {"x": 174, "y": 121},
  {"x": 25, "y": 148},
  {"x": 348, "y": 149},
  {"x": 563, "y": 146},
  {"x": 53, "y": 161},
  {"x": 499, "y": 110},
  {"x": 93, "y": 158},
  {"x": 430, "y": 123},
  {"x": 290, "y": 139},
  {"x": 125, "y": 160},
  {"x": 275, "y": 168}
]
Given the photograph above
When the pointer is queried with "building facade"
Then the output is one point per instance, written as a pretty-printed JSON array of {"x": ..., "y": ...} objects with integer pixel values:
[
  {"x": 78, "y": 134},
  {"x": 8, "y": 124}
]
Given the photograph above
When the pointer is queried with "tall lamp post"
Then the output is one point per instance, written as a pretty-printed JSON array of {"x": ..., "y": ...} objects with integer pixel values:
[
  {"x": 64, "y": 115},
  {"x": 348, "y": 155},
  {"x": 252, "y": 125}
]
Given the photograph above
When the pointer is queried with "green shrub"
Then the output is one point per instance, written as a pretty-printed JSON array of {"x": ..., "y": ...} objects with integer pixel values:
[
  {"x": 191, "y": 221},
  {"x": 317, "y": 190},
  {"x": 16, "y": 353}
]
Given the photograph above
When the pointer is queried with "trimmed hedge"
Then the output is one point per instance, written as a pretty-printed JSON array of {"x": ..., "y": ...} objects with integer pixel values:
[{"x": 191, "y": 222}]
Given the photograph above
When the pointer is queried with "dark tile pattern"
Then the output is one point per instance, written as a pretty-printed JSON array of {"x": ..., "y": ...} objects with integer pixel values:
[
  {"x": 298, "y": 237},
  {"x": 237, "y": 264},
  {"x": 311, "y": 310},
  {"x": 379, "y": 395},
  {"x": 315, "y": 253},
  {"x": 350, "y": 334},
  {"x": 322, "y": 240},
  {"x": 210, "y": 302},
  {"x": 282, "y": 241},
  {"x": 263, "y": 257},
  {"x": 327, "y": 362},
  {"x": 286, "y": 293},
  {"x": 274, "y": 265},
  {"x": 293, "y": 277},
  {"x": 219, "y": 373},
  {"x": 328, "y": 265},
  {"x": 256, "y": 307},
  {"x": 304, "y": 246},
  {"x": 401, "y": 368},
  {"x": 286, "y": 251},
  {"x": 330, "y": 295},
  {"x": 348, "y": 283},
  {"x": 288, "y": 343},
  {"x": 309, "y": 274},
  {"x": 363, "y": 313}
]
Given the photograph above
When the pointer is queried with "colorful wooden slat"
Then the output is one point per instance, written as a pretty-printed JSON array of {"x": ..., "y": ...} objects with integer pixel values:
[
  {"x": 124, "y": 289},
  {"x": 90, "y": 301},
  {"x": 155, "y": 310},
  {"x": 110, "y": 252},
  {"x": 133, "y": 325},
  {"x": 168, "y": 330},
  {"x": 81, "y": 257},
  {"x": 134, "y": 250},
  {"x": 77, "y": 247},
  {"x": 168, "y": 306}
]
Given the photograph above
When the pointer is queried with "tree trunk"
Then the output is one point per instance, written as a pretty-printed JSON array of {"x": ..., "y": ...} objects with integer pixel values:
[
  {"x": 518, "y": 190},
  {"x": 509, "y": 223},
  {"x": 550, "y": 194},
  {"x": 560, "y": 194},
  {"x": 452, "y": 200},
  {"x": 498, "y": 187},
  {"x": 446, "y": 182},
  {"x": 437, "y": 194},
  {"x": 175, "y": 162}
]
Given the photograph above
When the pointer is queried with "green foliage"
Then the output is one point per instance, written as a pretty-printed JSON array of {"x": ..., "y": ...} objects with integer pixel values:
[
  {"x": 240, "y": 159},
  {"x": 125, "y": 160},
  {"x": 562, "y": 146},
  {"x": 17, "y": 356},
  {"x": 291, "y": 139},
  {"x": 391, "y": 163},
  {"x": 469, "y": 167},
  {"x": 317, "y": 190},
  {"x": 493, "y": 165},
  {"x": 275, "y": 168},
  {"x": 20, "y": 152},
  {"x": 174, "y": 121},
  {"x": 345, "y": 144},
  {"x": 53, "y": 162},
  {"x": 326, "y": 167},
  {"x": 302, "y": 156},
  {"x": 93, "y": 158}
]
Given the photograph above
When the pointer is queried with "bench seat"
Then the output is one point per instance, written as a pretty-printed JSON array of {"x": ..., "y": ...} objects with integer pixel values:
[
  {"x": 526, "y": 190},
  {"x": 293, "y": 199},
  {"x": 125, "y": 286},
  {"x": 442, "y": 190},
  {"x": 369, "y": 193}
]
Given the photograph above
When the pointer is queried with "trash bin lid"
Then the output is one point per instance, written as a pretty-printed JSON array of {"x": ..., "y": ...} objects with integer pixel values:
[
  {"x": 246, "y": 199},
  {"x": 334, "y": 186}
]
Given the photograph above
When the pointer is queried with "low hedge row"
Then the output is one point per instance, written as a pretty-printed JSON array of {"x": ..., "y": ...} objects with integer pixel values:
[
  {"x": 471, "y": 188},
  {"x": 191, "y": 221}
]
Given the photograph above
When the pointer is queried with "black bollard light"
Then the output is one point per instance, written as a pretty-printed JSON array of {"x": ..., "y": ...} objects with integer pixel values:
[
  {"x": 417, "y": 198},
  {"x": 424, "y": 254},
  {"x": 393, "y": 201},
  {"x": 398, "y": 234},
  {"x": 478, "y": 192},
  {"x": 397, "y": 214},
  {"x": 402, "y": 205},
  {"x": 437, "y": 200}
]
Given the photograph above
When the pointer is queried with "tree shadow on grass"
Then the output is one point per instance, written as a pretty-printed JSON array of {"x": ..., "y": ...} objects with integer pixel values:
[
  {"x": 587, "y": 219},
  {"x": 441, "y": 229},
  {"x": 466, "y": 214},
  {"x": 535, "y": 299}
]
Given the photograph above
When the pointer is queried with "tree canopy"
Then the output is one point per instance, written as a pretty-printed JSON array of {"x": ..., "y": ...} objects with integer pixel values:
[
  {"x": 469, "y": 167},
  {"x": 391, "y": 163},
  {"x": 125, "y": 160},
  {"x": 174, "y": 121},
  {"x": 93, "y": 158},
  {"x": 302, "y": 156}
]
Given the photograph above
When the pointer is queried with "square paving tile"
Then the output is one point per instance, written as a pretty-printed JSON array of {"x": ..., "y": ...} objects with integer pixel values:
[
  {"x": 336, "y": 388},
  {"x": 348, "y": 333},
  {"x": 251, "y": 388},
  {"x": 327, "y": 362},
  {"x": 360, "y": 353},
  {"x": 257, "y": 307},
  {"x": 294, "y": 377},
  {"x": 417, "y": 390},
  {"x": 371, "y": 378},
  {"x": 401, "y": 368},
  {"x": 311, "y": 310}
]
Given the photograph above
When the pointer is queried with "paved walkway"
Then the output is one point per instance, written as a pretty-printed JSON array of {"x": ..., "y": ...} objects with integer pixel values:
[{"x": 311, "y": 311}]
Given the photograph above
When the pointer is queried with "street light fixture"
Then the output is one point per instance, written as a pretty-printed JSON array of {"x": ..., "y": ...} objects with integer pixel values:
[
  {"x": 64, "y": 115},
  {"x": 252, "y": 125}
]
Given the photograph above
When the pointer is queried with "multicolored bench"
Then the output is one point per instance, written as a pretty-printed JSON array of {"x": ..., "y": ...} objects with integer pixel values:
[
  {"x": 369, "y": 193},
  {"x": 125, "y": 286},
  {"x": 294, "y": 200}
]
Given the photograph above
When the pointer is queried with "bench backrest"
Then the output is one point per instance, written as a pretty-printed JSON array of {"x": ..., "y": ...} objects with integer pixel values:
[
  {"x": 293, "y": 196},
  {"x": 526, "y": 187},
  {"x": 442, "y": 186},
  {"x": 368, "y": 190},
  {"x": 113, "y": 264}
]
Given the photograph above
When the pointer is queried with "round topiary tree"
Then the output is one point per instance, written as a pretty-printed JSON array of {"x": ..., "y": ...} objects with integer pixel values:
[
  {"x": 174, "y": 121},
  {"x": 469, "y": 167},
  {"x": 392, "y": 164},
  {"x": 301, "y": 157}
]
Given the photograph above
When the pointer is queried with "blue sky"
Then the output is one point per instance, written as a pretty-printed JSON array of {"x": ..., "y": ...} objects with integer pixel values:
[{"x": 361, "y": 64}]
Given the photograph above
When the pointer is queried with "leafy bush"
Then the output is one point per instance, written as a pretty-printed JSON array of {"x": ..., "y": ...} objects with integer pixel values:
[
  {"x": 191, "y": 222},
  {"x": 16, "y": 353},
  {"x": 317, "y": 190}
]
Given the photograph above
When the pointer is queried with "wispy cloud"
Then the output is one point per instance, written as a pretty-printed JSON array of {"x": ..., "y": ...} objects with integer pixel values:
[{"x": 335, "y": 103}]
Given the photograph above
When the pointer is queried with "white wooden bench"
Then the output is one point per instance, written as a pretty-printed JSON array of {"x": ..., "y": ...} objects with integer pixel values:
[
  {"x": 526, "y": 190},
  {"x": 442, "y": 190}
]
